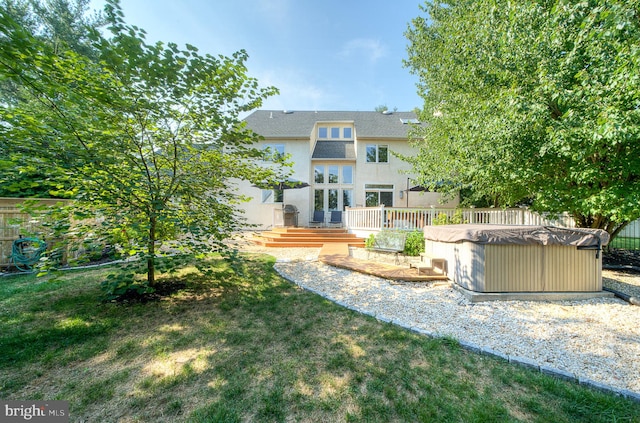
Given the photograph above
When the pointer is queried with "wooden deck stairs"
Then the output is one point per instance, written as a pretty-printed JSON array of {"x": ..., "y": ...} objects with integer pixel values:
[{"x": 306, "y": 237}]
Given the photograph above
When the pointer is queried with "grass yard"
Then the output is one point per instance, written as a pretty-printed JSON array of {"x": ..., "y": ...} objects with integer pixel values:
[{"x": 256, "y": 348}]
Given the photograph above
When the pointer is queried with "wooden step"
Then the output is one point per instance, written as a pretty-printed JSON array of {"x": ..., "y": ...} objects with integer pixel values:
[
  {"x": 303, "y": 244},
  {"x": 310, "y": 230},
  {"x": 318, "y": 240},
  {"x": 307, "y": 242},
  {"x": 306, "y": 237}
]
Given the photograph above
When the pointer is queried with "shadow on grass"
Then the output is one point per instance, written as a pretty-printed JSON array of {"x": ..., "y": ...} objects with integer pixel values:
[{"x": 256, "y": 348}]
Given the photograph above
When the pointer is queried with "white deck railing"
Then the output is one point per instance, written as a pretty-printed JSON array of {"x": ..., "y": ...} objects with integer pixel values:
[{"x": 377, "y": 218}]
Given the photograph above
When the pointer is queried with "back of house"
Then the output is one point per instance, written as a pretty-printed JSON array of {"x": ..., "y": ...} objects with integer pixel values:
[{"x": 346, "y": 158}]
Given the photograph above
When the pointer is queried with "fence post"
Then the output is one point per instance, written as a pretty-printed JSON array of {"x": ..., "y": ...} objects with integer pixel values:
[
  {"x": 382, "y": 216},
  {"x": 347, "y": 223}
]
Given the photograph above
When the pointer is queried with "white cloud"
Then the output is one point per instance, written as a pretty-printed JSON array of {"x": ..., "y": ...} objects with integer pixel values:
[
  {"x": 296, "y": 92},
  {"x": 274, "y": 13},
  {"x": 371, "y": 49}
]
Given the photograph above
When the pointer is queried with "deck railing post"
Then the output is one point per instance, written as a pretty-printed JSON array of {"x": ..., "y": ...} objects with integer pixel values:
[{"x": 347, "y": 215}]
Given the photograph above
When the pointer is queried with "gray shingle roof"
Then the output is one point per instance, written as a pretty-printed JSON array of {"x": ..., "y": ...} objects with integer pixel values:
[
  {"x": 299, "y": 124},
  {"x": 334, "y": 150}
]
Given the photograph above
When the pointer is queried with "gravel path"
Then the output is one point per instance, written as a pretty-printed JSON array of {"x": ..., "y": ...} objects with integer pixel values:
[{"x": 596, "y": 342}]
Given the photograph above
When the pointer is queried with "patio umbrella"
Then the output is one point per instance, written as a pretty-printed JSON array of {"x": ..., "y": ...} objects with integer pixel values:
[
  {"x": 289, "y": 211},
  {"x": 289, "y": 183}
]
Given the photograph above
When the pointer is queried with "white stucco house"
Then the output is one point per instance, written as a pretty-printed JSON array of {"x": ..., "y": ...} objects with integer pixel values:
[{"x": 346, "y": 158}]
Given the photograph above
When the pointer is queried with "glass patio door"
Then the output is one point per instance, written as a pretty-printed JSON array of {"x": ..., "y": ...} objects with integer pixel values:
[
  {"x": 332, "y": 199},
  {"x": 333, "y": 187}
]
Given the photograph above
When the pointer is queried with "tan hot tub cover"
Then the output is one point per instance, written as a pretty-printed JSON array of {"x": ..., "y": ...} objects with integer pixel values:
[
  {"x": 519, "y": 261},
  {"x": 518, "y": 235}
]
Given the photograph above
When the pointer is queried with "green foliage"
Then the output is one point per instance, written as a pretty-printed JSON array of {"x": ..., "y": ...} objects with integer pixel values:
[
  {"x": 148, "y": 136},
  {"x": 457, "y": 218},
  {"x": 532, "y": 103},
  {"x": 61, "y": 25},
  {"x": 414, "y": 244},
  {"x": 444, "y": 219},
  {"x": 370, "y": 242},
  {"x": 441, "y": 219}
]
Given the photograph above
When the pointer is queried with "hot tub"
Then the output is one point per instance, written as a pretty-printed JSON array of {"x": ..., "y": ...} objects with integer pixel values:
[{"x": 519, "y": 259}]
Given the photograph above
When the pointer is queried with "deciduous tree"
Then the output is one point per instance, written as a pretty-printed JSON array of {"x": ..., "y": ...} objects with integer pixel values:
[
  {"x": 64, "y": 25},
  {"x": 149, "y": 134},
  {"x": 532, "y": 102}
]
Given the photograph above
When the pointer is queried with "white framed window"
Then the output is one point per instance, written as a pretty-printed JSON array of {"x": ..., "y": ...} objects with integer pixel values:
[
  {"x": 330, "y": 199},
  {"x": 377, "y": 194},
  {"x": 377, "y": 153},
  {"x": 347, "y": 198},
  {"x": 330, "y": 174},
  {"x": 274, "y": 151},
  {"x": 335, "y": 132},
  {"x": 270, "y": 196},
  {"x": 333, "y": 199},
  {"x": 318, "y": 174},
  {"x": 347, "y": 174},
  {"x": 333, "y": 173},
  {"x": 318, "y": 199}
]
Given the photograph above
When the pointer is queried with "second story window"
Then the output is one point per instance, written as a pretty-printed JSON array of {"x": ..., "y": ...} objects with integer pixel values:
[
  {"x": 377, "y": 153},
  {"x": 347, "y": 174},
  {"x": 335, "y": 133},
  {"x": 318, "y": 174},
  {"x": 274, "y": 151},
  {"x": 333, "y": 174}
]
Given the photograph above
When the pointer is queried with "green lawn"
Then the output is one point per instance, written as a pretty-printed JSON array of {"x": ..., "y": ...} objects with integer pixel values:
[{"x": 257, "y": 348}]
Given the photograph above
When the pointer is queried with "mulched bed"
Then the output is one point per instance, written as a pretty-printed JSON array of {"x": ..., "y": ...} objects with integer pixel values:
[
  {"x": 628, "y": 260},
  {"x": 163, "y": 288}
]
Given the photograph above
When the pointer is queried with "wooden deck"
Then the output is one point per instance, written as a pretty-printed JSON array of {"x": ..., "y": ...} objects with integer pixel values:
[
  {"x": 334, "y": 244},
  {"x": 337, "y": 254}
]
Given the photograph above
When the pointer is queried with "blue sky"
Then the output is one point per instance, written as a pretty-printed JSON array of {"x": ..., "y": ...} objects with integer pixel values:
[{"x": 320, "y": 54}]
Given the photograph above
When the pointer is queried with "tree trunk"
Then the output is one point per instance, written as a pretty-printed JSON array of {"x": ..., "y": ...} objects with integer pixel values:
[
  {"x": 600, "y": 222},
  {"x": 151, "y": 251}
]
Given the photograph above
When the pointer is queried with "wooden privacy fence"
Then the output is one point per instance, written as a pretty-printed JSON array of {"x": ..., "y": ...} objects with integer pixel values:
[{"x": 14, "y": 223}]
